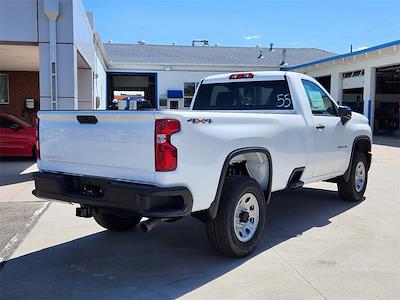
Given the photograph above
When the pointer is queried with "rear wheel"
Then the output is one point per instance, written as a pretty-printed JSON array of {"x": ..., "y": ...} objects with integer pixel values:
[
  {"x": 237, "y": 228},
  {"x": 115, "y": 222},
  {"x": 353, "y": 190}
]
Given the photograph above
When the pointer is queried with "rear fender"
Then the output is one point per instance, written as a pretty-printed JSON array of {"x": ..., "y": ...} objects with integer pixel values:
[{"x": 211, "y": 212}]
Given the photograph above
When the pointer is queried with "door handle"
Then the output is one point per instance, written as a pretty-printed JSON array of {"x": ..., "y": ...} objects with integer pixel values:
[
  {"x": 87, "y": 119},
  {"x": 320, "y": 126}
]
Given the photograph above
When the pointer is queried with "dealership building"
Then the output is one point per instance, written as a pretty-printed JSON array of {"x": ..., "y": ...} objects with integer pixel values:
[
  {"x": 51, "y": 57},
  {"x": 367, "y": 80},
  {"x": 167, "y": 75}
]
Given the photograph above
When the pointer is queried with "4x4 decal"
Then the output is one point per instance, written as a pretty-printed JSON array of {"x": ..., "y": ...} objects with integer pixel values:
[{"x": 200, "y": 121}]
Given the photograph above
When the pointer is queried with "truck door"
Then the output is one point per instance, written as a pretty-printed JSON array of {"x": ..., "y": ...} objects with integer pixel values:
[{"x": 330, "y": 149}]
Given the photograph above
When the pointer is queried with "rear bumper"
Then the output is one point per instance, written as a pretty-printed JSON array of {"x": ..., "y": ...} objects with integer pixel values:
[{"x": 141, "y": 199}]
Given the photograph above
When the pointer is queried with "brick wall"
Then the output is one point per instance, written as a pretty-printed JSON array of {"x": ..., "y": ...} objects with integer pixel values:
[{"x": 22, "y": 85}]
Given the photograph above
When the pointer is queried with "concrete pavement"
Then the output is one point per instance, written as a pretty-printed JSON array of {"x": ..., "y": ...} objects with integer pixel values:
[
  {"x": 314, "y": 246},
  {"x": 19, "y": 211}
]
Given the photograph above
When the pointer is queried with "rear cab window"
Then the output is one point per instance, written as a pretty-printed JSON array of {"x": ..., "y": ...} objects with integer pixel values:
[{"x": 245, "y": 95}]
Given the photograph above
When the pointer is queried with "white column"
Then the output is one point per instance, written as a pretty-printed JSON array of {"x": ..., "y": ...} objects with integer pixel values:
[
  {"x": 58, "y": 55},
  {"x": 369, "y": 94},
  {"x": 67, "y": 77},
  {"x": 336, "y": 87},
  {"x": 52, "y": 9}
]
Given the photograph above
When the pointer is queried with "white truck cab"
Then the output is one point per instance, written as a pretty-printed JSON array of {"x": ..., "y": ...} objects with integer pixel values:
[{"x": 246, "y": 135}]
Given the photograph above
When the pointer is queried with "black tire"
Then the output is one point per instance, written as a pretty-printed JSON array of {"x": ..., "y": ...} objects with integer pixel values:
[
  {"x": 115, "y": 222},
  {"x": 221, "y": 232},
  {"x": 347, "y": 189}
]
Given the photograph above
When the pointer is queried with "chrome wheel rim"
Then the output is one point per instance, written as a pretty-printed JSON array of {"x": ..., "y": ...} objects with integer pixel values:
[
  {"x": 246, "y": 218},
  {"x": 360, "y": 175}
]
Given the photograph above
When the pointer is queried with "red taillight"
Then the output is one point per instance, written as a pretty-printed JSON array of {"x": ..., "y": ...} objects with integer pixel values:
[
  {"x": 166, "y": 154},
  {"x": 37, "y": 138},
  {"x": 241, "y": 76}
]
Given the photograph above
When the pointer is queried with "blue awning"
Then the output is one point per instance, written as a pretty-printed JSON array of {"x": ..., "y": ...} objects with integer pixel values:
[{"x": 174, "y": 94}]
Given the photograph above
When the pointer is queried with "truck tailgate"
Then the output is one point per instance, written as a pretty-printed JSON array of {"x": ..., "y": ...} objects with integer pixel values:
[{"x": 119, "y": 145}]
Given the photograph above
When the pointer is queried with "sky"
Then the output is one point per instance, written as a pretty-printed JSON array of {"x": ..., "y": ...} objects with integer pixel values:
[{"x": 331, "y": 25}]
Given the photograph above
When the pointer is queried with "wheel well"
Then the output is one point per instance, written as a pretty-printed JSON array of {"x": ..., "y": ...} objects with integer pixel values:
[
  {"x": 253, "y": 164},
  {"x": 363, "y": 145}
]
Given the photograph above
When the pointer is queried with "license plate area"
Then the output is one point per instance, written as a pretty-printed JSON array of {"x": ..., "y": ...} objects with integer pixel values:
[{"x": 90, "y": 187}]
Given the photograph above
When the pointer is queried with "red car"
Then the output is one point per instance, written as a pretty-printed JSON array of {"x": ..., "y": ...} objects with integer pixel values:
[{"x": 17, "y": 137}]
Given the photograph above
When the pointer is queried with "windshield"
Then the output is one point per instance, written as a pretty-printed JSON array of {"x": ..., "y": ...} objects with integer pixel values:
[
  {"x": 20, "y": 120},
  {"x": 250, "y": 95}
]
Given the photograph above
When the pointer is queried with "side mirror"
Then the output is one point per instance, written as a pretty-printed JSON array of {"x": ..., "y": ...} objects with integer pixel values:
[
  {"x": 344, "y": 113},
  {"x": 15, "y": 127}
]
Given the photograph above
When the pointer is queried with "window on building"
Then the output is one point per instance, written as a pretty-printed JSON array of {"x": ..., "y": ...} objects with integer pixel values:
[
  {"x": 353, "y": 74},
  {"x": 189, "y": 90},
  {"x": 320, "y": 103},
  {"x": 347, "y": 75},
  {"x": 4, "y": 99},
  {"x": 325, "y": 81}
]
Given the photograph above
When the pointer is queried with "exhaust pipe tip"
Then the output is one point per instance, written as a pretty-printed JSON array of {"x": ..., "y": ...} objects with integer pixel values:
[
  {"x": 149, "y": 224},
  {"x": 144, "y": 227}
]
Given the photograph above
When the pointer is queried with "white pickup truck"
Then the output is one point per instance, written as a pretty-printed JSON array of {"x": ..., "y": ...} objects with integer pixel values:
[{"x": 246, "y": 135}]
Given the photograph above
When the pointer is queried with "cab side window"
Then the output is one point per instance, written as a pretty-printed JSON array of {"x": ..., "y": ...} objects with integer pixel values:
[{"x": 319, "y": 101}]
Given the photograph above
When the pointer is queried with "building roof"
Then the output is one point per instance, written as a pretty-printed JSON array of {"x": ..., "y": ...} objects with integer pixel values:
[
  {"x": 319, "y": 61},
  {"x": 208, "y": 55}
]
